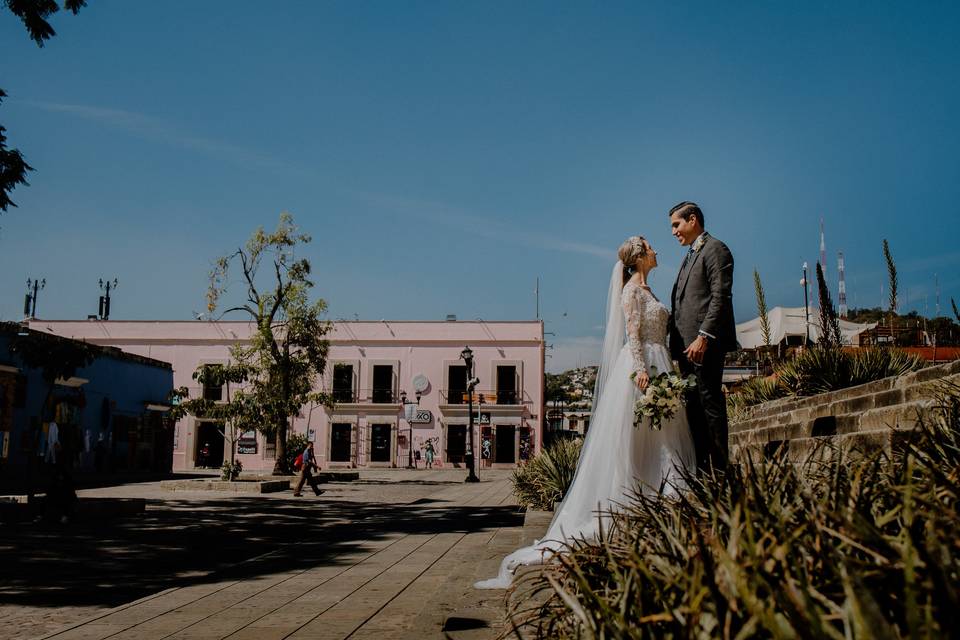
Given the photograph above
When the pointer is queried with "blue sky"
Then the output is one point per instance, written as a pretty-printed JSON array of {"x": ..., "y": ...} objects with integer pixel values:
[{"x": 445, "y": 154}]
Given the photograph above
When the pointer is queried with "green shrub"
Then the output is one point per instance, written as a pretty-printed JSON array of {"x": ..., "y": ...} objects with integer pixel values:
[
  {"x": 296, "y": 443},
  {"x": 544, "y": 480},
  {"x": 752, "y": 392},
  {"x": 816, "y": 370},
  {"x": 230, "y": 471},
  {"x": 821, "y": 369},
  {"x": 836, "y": 547},
  {"x": 873, "y": 363}
]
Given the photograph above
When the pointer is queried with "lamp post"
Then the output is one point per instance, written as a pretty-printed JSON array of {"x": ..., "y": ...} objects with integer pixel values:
[
  {"x": 105, "y": 299},
  {"x": 403, "y": 401},
  {"x": 30, "y": 301},
  {"x": 467, "y": 356},
  {"x": 806, "y": 307}
]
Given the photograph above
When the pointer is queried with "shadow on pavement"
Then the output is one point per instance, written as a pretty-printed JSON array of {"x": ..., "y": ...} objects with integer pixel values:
[{"x": 178, "y": 542}]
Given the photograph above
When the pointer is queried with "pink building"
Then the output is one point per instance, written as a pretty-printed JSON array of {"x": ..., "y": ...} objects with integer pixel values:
[{"x": 372, "y": 367}]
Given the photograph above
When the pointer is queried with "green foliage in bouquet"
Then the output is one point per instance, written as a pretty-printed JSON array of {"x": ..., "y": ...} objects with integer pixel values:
[
  {"x": 544, "y": 480},
  {"x": 661, "y": 399},
  {"x": 838, "y": 547}
]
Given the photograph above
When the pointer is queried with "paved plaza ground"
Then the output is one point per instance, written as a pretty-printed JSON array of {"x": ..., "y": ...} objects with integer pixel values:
[{"x": 392, "y": 555}]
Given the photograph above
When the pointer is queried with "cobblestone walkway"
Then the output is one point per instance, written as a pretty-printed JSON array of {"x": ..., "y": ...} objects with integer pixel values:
[{"x": 391, "y": 556}]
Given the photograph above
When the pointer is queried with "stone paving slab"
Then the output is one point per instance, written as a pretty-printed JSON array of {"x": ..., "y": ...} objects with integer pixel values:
[{"x": 407, "y": 578}]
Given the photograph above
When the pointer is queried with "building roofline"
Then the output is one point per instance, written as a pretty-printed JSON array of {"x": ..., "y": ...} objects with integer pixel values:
[
  {"x": 103, "y": 350},
  {"x": 39, "y": 320}
]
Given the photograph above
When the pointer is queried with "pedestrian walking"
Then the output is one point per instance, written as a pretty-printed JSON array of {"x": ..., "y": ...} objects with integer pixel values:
[
  {"x": 429, "y": 454},
  {"x": 309, "y": 462}
]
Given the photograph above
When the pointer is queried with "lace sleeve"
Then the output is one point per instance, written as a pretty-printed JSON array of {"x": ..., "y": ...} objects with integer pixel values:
[{"x": 633, "y": 308}]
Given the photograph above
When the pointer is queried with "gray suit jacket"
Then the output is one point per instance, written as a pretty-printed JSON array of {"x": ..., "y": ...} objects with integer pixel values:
[{"x": 702, "y": 299}]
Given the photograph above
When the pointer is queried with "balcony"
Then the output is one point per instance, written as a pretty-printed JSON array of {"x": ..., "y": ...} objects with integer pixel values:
[
  {"x": 482, "y": 396},
  {"x": 364, "y": 396}
]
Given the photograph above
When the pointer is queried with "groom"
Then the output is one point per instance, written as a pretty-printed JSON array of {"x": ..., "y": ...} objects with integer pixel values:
[{"x": 702, "y": 330}]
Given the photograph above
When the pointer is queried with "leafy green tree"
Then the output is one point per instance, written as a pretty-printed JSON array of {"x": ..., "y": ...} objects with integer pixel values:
[
  {"x": 288, "y": 349},
  {"x": 238, "y": 413},
  {"x": 13, "y": 168},
  {"x": 556, "y": 387},
  {"x": 33, "y": 14}
]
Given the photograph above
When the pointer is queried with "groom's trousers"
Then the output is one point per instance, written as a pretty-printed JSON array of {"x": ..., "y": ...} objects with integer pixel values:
[{"x": 707, "y": 410}]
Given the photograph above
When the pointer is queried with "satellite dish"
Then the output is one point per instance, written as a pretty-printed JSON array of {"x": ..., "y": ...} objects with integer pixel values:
[{"x": 420, "y": 383}]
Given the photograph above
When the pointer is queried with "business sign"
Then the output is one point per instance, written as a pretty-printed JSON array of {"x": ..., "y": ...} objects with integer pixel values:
[
  {"x": 481, "y": 418},
  {"x": 247, "y": 442},
  {"x": 421, "y": 416}
]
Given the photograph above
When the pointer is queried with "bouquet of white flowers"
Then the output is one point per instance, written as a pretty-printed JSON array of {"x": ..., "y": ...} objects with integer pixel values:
[{"x": 661, "y": 399}]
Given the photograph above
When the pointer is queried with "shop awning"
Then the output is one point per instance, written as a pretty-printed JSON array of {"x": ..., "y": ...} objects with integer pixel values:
[{"x": 72, "y": 381}]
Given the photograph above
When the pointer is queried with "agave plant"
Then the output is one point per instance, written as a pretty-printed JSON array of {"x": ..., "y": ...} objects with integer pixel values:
[
  {"x": 544, "y": 480},
  {"x": 752, "y": 392},
  {"x": 837, "y": 547},
  {"x": 816, "y": 370},
  {"x": 874, "y": 363}
]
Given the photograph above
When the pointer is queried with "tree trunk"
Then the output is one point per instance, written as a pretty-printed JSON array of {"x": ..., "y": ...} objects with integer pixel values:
[{"x": 280, "y": 467}]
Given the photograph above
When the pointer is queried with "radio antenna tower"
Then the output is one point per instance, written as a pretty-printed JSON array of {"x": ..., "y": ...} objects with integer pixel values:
[
  {"x": 936, "y": 286},
  {"x": 823, "y": 250},
  {"x": 842, "y": 290}
]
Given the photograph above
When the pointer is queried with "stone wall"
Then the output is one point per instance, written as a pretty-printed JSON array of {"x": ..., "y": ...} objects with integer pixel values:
[{"x": 867, "y": 417}]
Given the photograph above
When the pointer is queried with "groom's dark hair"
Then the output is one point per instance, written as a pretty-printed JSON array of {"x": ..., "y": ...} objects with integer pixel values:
[{"x": 687, "y": 209}]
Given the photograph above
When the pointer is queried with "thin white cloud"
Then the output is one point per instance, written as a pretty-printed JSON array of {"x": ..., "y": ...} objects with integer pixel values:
[
  {"x": 484, "y": 226},
  {"x": 152, "y": 128}
]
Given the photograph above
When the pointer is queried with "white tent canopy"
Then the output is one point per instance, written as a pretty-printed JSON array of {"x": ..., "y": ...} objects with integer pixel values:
[{"x": 789, "y": 322}]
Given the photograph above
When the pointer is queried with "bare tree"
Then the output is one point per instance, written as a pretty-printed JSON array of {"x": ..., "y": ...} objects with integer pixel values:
[{"x": 287, "y": 350}]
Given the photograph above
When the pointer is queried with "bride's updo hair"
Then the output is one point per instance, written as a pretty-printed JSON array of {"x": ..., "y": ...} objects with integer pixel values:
[{"x": 632, "y": 249}]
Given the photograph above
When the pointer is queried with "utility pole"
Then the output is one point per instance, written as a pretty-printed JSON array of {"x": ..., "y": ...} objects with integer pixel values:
[
  {"x": 105, "y": 299},
  {"x": 936, "y": 285},
  {"x": 30, "y": 300},
  {"x": 536, "y": 293}
]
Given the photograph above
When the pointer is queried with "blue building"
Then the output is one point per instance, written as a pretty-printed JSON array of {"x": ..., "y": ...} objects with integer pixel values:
[{"x": 110, "y": 414}]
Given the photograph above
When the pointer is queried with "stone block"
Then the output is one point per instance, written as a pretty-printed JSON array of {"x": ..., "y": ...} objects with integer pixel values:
[
  {"x": 902, "y": 416},
  {"x": 888, "y": 398},
  {"x": 930, "y": 373},
  {"x": 855, "y": 404},
  {"x": 848, "y": 423}
]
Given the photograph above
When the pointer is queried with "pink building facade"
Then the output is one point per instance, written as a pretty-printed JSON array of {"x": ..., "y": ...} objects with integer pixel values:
[{"x": 375, "y": 373}]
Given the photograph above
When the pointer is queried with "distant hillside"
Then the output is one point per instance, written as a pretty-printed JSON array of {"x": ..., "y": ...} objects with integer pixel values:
[{"x": 574, "y": 387}]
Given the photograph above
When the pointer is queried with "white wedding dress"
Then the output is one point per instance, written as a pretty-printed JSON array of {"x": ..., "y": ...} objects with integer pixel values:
[{"x": 617, "y": 458}]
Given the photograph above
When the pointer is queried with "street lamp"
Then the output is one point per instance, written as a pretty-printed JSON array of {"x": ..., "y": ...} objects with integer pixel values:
[
  {"x": 403, "y": 401},
  {"x": 34, "y": 286},
  {"x": 467, "y": 356},
  {"x": 806, "y": 307},
  {"x": 105, "y": 299}
]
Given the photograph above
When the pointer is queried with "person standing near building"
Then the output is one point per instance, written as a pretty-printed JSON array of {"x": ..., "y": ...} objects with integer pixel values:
[
  {"x": 309, "y": 462},
  {"x": 429, "y": 454}
]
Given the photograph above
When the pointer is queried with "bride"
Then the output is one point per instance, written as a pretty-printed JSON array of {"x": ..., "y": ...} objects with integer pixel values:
[{"x": 617, "y": 457}]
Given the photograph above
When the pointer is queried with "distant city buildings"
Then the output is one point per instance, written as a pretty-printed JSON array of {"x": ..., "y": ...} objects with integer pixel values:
[{"x": 570, "y": 400}]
